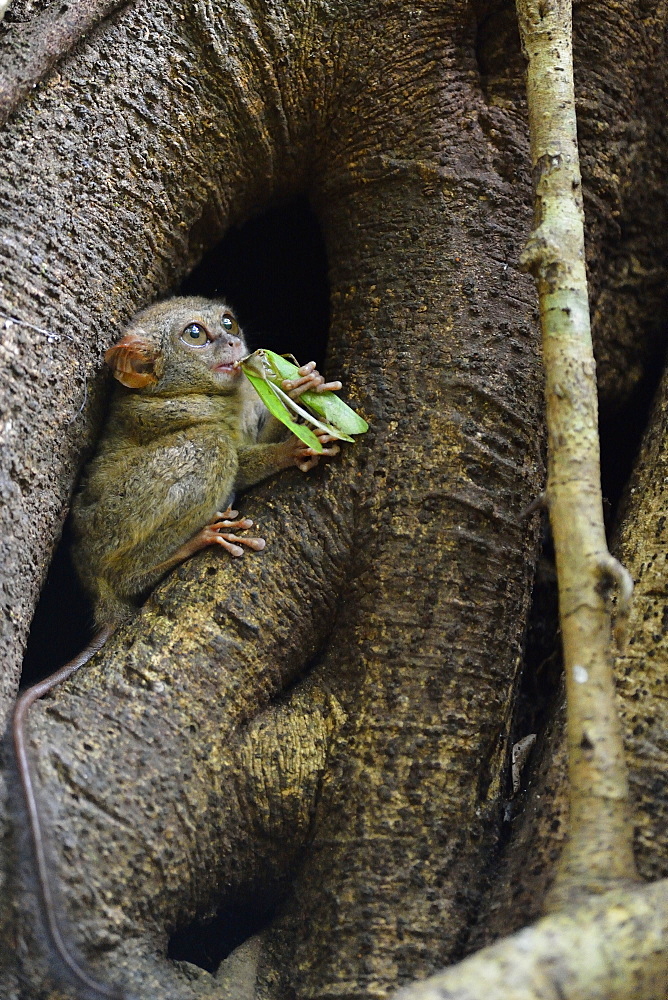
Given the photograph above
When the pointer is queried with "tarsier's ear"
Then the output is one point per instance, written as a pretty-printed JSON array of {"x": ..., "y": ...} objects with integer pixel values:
[{"x": 133, "y": 361}]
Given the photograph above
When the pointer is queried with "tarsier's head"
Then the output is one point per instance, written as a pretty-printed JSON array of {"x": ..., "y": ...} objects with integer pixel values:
[{"x": 186, "y": 345}]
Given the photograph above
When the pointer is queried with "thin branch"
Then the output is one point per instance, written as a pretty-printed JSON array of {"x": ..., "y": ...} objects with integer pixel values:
[
  {"x": 610, "y": 948},
  {"x": 29, "y": 51},
  {"x": 599, "y": 850}
]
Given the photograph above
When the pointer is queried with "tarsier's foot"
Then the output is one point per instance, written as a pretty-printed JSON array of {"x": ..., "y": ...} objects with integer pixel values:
[{"x": 219, "y": 532}]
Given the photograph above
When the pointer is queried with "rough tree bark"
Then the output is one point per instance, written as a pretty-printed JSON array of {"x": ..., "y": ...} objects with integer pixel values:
[
  {"x": 328, "y": 724},
  {"x": 605, "y": 935}
]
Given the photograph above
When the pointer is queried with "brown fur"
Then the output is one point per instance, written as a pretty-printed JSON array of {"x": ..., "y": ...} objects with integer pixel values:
[{"x": 174, "y": 450}]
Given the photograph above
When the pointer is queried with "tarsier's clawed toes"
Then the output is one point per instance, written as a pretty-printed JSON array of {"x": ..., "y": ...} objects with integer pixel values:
[{"x": 218, "y": 533}]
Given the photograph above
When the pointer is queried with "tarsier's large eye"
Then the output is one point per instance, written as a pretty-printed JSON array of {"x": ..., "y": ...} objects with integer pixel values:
[
  {"x": 230, "y": 324},
  {"x": 194, "y": 335}
]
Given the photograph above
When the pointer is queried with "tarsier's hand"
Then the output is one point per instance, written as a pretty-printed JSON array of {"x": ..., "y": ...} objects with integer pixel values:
[
  {"x": 310, "y": 378},
  {"x": 306, "y": 458},
  {"x": 295, "y": 452},
  {"x": 302, "y": 456}
]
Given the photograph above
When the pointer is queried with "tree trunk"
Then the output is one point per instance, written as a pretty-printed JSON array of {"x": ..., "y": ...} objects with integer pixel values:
[{"x": 323, "y": 728}]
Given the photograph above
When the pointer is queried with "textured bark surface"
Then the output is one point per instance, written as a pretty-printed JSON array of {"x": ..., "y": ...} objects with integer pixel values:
[
  {"x": 170, "y": 713},
  {"x": 620, "y": 80},
  {"x": 518, "y": 882},
  {"x": 30, "y": 50},
  {"x": 610, "y": 947},
  {"x": 189, "y": 766},
  {"x": 642, "y": 544},
  {"x": 410, "y": 805}
]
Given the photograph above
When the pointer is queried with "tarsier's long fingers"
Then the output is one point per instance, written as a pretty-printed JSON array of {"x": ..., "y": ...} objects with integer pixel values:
[
  {"x": 307, "y": 452},
  {"x": 223, "y": 520},
  {"x": 227, "y": 513},
  {"x": 310, "y": 456},
  {"x": 227, "y": 540},
  {"x": 324, "y": 437},
  {"x": 307, "y": 465},
  {"x": 310, "y": 371},
  {"x": 220, "y": 534},
  {"x": 310, "y": 379}
]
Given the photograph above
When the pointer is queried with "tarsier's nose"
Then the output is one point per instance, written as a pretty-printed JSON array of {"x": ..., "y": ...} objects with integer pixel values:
[{"x": 233, "y": 341}]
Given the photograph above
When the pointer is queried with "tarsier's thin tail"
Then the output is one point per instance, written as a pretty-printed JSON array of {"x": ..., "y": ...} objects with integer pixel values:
[{"x": 21, "y": 709}]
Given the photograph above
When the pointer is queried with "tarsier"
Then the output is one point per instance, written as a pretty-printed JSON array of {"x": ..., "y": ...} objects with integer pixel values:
[{"x": 185, "y": 431}]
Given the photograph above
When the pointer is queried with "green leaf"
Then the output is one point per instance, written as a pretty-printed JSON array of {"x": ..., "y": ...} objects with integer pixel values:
[
  {"x": 335, "y": 411},
  {"x": 266, "y": 392},
  {"x": 326, "y": 404},
  {"x": 257, "y": 364},
  {"x": 292, "y": 404}
]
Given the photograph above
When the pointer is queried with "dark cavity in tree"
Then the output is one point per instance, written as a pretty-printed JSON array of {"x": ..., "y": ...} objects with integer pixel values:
[
  {"x": 621, "y": 433},
  {"x": 273, "y": 271},
  {"x": 207, "y": 943}
]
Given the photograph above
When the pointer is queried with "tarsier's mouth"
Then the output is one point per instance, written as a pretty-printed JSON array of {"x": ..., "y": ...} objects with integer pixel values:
[{"x": 227, "y": 366}]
